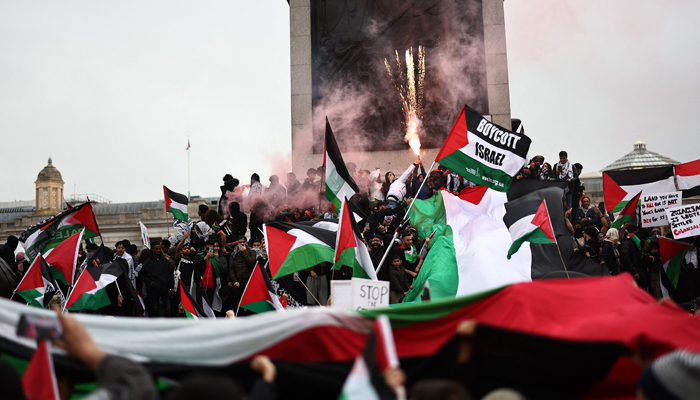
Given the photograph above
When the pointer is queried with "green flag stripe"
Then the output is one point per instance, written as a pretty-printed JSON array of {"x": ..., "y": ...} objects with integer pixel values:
[
  {"x": 673, "y": 270},
  {"x": 259, "y": 306},
  {"x": 89, "y": 301},
  {"x": 304, "y": 257},
  {"x": 33, "y": 297},
  {"x": 477, "y": 172},
  {"x": 536, "y": 236}
]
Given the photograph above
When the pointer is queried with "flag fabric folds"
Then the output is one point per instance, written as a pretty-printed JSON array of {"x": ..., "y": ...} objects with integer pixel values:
[
  {"x": 192, "y": 309},
  {"x": 89, "y": 291},
  {"x": 259, "y": 295},
  {"x": 37, "y": 286},
  {"x": 350, "y": 249},
  {"x": 688, "y": 178},
  {"x": 39, "y": 380},
  {"x": 293, "y": 247},
  {"x": 63, "y": 259},
  {"x": 47, "y": 234},
  {"x": 528, "y": 221},
  {"x": 483, "y": 152},
  {"x": 620, "y": 186},
  {"x": 176, "y": 203},
  {"x": 672, "y": 254},
  {"x": 468, "y": 250},
  {"x": 627, "y": 213},
  {"x": 339, "y": 183}
]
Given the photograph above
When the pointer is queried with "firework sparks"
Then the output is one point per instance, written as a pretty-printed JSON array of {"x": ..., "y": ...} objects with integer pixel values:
[{"x": 410, "y": 89}]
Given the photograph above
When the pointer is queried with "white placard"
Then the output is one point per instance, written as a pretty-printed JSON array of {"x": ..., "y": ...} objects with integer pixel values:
[
  {"x": 367, "y": 293},
  {"x": 359, "y": 293},
  {"x": 144, "y": 235},
  {"x": 654, "y": 207},
  {"x": 341, "y": 294},
  {"x": 684, "y": 220}
]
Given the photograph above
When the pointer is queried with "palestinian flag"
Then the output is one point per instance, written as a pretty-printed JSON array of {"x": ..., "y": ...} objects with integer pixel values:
[
  {"x": 688, "y": 178},
  {"x": 620, "y": 186},
  {"x": 211, "y": 277},
  {"x": 63, "y": 259},
  {"x": 672, "y": 254},
  {"x": 350, "y": 249},
  {"x": 37, "y": 286},
  {"x": 627, "y": 213},
  {"x": 258, "y": 295},
  {"x": 39, "y": 380},
  {"x": 581, "y": 348},
  {"x": 47, "y": 234},
  {"x": 365, "y": 380},
  {"x": 192, "y": 309},
  {"x": 469, "y": 245},
  {"x": 176, "y": 203},
  {"x": 293, "y": 247},
  {"x": 528, "y": 221},
  {"x": 483, "y": 152},
  {"x": 90, "y": 291},
  {"x": 339, "y": 183}
]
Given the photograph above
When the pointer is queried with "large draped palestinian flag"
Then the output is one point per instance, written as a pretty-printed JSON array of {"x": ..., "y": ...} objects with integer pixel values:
[
  {"x": 293, "y": 247},
  {"x": 176, "y": 203},
  {"x": 63, "y": 259},
  {"x": 259, "y": 295},
  {"x": 37, "y": 286},
  {"x": 90, "y": 291},
  {"x": 339, "y": 183},
  {"x": 688, "y": 178},
  {"x": 528, "y": 221},
  {"x": 483, "y": 152},
  {"x": 47, "y": 234},
  {"x": 350, "y": 249},
  {"x": 620, "y": 186},
  {"x": 672, "y": 254},
  {"x": 549, "y": 339}
]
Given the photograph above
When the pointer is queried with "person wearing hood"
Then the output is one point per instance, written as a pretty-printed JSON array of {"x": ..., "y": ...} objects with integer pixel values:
[
  {"x": 375, "y": 186},
  {"x": 275, "y": 194},
  {"x": 609, "y": 255},
  {"x": 229, "y": 185},
  {"x": 237, "y": 219},
  {"x": 7, "y": 250}
]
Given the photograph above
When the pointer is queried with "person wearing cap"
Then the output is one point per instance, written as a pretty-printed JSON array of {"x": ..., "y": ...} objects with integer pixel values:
[{"x": 674, "y": 376}]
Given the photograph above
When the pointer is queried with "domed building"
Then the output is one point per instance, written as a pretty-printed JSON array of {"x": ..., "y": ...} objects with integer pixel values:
[{"x": 49, "y": 190}]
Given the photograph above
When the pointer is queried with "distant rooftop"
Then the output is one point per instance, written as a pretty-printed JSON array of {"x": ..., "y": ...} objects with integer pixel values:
[{"x": 639, "y": 158}]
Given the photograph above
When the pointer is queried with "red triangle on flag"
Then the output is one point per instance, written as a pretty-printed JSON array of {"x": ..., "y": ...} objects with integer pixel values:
[
  {"x": 541, "y": 219},
  {"x": 64, "y": 256},
  {"x": 474, "y": 194},
  {"x": 84, "y": 284},
  {"x": 279, "y": 243},
  {"x": 39, "y": 380},
  {"x": 613, "y": 194},
  {"x": 457, "y": 138},
  {"x": 346, "y": 235}
]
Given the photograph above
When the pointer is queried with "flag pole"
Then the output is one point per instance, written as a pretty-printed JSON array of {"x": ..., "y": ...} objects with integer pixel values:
[
  {"x": 405, "y": 218},
  {"x": 307, "y": 289},
  {"x": 555, "y": 238},
  {"x": 72, "y": 289},
  {"x": 322, "y": 190},
  {"x": 188, "y": 167}
]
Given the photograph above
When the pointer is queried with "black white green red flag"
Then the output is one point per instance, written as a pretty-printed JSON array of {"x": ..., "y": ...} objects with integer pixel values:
[
  {"x": 483, "y": 152},
  {"x": 176, "y": 203},
  {"x": 528, "y": 221},
  {"x": 350, "y": 249},
  {"x": 672, "y": 254},
  {"x": 293, "y": 247},
  {"x": 259, "y": 295},
  {"x": 47, "y": 234},
  {"x": 192, "y": 309},
  {"x": 89, "y": 291},
  {"x": 620, "y": 186},
  {"x": 37, "y": 286},
  {"x": 688, "y": 178},
  {"x": 63, "y": 259},
  {"x": 39, "y": 380},
  {"x": 339, "y": 183},
  {"x": 628, "y": 211}
]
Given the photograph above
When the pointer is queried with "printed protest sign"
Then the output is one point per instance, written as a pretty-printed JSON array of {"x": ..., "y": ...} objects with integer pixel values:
[
  {"x": 144, "y": 235},
  {"x": 684, "y": 220},
  {"x": 654, "y": 207}
]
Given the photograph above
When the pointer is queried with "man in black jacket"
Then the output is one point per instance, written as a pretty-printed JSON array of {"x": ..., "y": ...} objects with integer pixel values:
[
  {"x": 630, "y": 257},
  {"x": 158, "y": 275}
]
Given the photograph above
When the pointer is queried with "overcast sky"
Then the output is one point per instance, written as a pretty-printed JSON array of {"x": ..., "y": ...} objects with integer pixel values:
[{"x": 111, "y": 90}]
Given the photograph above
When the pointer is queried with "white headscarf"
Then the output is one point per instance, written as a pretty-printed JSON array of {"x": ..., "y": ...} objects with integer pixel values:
[
  {"x": 613, "y": 236},
  {"x": 206, "y": 230}
]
